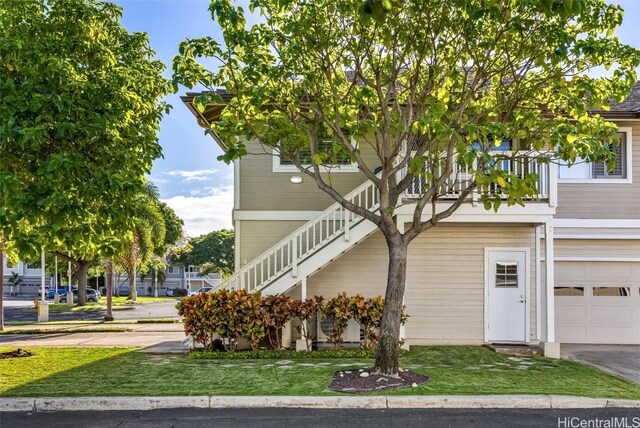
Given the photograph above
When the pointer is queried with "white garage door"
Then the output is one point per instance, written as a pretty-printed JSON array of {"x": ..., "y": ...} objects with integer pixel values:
[{"x": 597, "y": 302}]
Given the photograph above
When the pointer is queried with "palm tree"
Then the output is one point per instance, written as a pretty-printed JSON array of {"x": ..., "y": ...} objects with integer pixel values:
[{"x": 147, "y": 235}]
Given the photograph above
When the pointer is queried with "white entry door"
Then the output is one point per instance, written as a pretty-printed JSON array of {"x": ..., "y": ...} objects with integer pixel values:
[{"x": 506, "y": 296}]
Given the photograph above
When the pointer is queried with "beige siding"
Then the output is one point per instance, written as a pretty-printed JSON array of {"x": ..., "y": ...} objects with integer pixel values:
[
  {"x": 602, "y": 233},
  {"x": 596, "y": 248},
  {"x": 445, "y": 278},
  {"x": 595, "y": 200},
  {"x": 258, "y": 236},
  {"x": 261, "y": 189}
]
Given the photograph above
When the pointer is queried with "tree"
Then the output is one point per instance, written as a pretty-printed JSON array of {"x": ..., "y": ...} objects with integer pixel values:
[
  {"x": 174, "y": 227},
  {"x": 81, "y": 107},
  {"x": 150, "y": 236},
  {"x": 213, "y": 251},
  {"x": 1, "y": 283},
  {"x": 147, "y": 235},
  {"x": 425, "y": 85}
]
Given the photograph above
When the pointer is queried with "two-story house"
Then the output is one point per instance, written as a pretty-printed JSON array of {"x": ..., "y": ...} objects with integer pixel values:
[
  {"x": 29, "y": 274},
  {"x": 563, "y": 269}
]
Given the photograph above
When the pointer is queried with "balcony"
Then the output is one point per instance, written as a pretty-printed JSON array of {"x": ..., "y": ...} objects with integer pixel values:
[{"x": 520, "y": 164}]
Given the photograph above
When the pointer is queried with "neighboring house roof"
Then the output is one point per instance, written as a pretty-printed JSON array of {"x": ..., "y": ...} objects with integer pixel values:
[
  {"x": 627, "y": 109},
  {"x": 631, "y": 103}
]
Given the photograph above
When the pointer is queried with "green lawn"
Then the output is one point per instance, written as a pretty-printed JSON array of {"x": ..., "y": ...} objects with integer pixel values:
[
  {"x": 462, "y": 370},
  {"x": 119, "y": 303}
]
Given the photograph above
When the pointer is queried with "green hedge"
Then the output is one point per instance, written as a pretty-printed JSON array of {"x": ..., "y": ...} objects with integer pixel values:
[{"x": 268, "y": 354}]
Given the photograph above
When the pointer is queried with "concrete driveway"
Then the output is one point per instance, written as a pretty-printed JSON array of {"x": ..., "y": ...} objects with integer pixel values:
[{"x": 621, "y": 360}]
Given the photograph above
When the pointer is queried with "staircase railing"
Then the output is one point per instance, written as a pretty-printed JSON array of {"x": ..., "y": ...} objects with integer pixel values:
[{"x": 285, "y": 256}]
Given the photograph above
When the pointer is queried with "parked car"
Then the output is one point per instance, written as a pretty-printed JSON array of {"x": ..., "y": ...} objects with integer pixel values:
[
  {"x": 124, "y": 291},
  {"x": 201, "y": 290},
  {"x": 61, "y": 290},
  {"x": 176, "y": 292},
  {"x": 92, "y": 296}
]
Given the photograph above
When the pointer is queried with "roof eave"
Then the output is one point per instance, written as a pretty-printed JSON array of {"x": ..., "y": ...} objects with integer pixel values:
[{"x": 202, "y": 120}]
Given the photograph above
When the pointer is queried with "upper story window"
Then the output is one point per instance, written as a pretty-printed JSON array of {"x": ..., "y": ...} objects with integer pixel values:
[
  {"x": 325, "y": 144},
  {"x": 597, "y": 172},
  {"x": 173, "y": 269}
]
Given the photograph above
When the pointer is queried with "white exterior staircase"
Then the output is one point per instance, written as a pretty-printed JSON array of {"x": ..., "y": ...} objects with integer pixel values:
[
  {"x": 336, "y": 230},
  {"x": 309, "y": 248}
]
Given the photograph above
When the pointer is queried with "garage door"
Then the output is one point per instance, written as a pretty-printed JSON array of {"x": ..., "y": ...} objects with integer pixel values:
[{"x": 597, "y": 302}]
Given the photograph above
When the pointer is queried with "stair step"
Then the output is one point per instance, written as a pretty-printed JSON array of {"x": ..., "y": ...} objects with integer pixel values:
[{"x": 516, "y": 349}]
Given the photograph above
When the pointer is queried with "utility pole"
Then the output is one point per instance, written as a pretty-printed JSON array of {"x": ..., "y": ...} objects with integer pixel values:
[
  {"x": 109, "y": 288},
  {"x": 69, "y": 293}
]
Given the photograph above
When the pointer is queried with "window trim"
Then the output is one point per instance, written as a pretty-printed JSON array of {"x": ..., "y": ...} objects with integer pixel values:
[
  {"x": 278, "y": 167},
  {"x": 628, "y": 165}
]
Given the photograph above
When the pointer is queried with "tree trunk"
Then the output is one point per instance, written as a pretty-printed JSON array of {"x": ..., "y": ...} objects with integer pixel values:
[
  {"x": 109, "y": 289},
  {"x": 1, "y": 285},
  {"x": 83, "y": 269},
  {"x": 388, "y": 350},
  {"x": 133, "y": 294}
]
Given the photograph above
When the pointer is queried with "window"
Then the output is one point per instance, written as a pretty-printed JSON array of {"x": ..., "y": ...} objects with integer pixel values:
[
  {"x": 611, "y": 291},
  {"x": 583, "y": 171},
  {"x": 343, "y": 164},
  {"x": 173, "y": 269},
  {"x": 507, "y": 275},
  {"x": 568, "y": 291}
]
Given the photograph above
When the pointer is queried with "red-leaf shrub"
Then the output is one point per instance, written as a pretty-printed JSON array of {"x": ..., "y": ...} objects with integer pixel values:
[
  {"x": 338, "y": 311},
  {"x": 276, "y": 312},
  {"x": 305, "y": 311}
]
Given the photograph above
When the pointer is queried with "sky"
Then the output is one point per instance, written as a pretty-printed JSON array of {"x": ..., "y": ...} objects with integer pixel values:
[{"x": 190, "y": 178}]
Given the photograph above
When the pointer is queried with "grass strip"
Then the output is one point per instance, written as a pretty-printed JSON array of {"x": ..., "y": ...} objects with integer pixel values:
[{"x": 67, "y": 330}]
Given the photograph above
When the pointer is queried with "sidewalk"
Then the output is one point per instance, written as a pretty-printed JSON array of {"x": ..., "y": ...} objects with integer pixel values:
[{"x": 154, "y": 338}]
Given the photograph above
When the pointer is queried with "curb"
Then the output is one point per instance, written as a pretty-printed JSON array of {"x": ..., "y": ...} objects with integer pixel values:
[{"x": 45, "y": 404}]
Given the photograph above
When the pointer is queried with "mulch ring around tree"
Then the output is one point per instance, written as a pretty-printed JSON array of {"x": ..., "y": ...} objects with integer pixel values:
[
  {"x": 364, "y": 380},
  {"x": 18, "y": 353}
]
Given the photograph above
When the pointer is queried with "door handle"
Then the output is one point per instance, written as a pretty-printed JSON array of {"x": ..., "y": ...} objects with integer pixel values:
[{"x": 522, "y": 298}]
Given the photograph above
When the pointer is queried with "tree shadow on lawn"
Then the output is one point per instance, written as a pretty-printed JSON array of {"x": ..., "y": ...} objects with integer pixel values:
[{"x": 455, "y": 370}]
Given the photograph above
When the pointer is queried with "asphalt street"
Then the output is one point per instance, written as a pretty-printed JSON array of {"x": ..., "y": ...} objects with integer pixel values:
[{"x": 192, "y": 418}]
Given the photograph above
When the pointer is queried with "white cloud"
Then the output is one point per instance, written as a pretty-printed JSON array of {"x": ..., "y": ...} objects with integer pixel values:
[
  {"x": 202, "y": 214},
  {"x": 193, "y": 175},
  {"x": 159, "y": 180},
  {"x": 203, "y": 191}
]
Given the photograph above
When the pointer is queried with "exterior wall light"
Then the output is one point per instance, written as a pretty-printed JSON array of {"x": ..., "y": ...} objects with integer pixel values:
[{"x": 296, "y": 179}]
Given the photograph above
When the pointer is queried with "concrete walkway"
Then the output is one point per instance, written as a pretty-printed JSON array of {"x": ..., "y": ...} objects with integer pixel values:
[
  {"x": 154, "y": 338},
  {"x": 620, "y": 360}
]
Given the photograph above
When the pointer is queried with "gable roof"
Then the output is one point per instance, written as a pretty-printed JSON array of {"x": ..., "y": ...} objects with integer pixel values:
[{"x": 627, "y": 109}]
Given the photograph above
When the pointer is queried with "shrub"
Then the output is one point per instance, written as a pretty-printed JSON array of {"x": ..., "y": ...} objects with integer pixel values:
[
  {"x": 305, "y": 311},
  {"x": 368, "y": 313},
  {"x": 338, "y": 311},
  {"x": 276, "y": 312},
  {"x": 236, "y": 313},
  {"x": 229, "y": 314},
  {"x": 196, "y": 313}
]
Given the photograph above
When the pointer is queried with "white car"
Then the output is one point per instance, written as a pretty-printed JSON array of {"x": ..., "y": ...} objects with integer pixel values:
[{"x": 201, "y": 290}]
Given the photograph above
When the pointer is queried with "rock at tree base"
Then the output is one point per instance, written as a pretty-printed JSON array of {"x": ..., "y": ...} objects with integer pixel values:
[{"x": 367, "y": 381}]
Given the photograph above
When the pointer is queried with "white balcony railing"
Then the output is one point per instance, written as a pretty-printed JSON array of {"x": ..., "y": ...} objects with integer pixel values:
[{"x": 520, "y": 164}]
